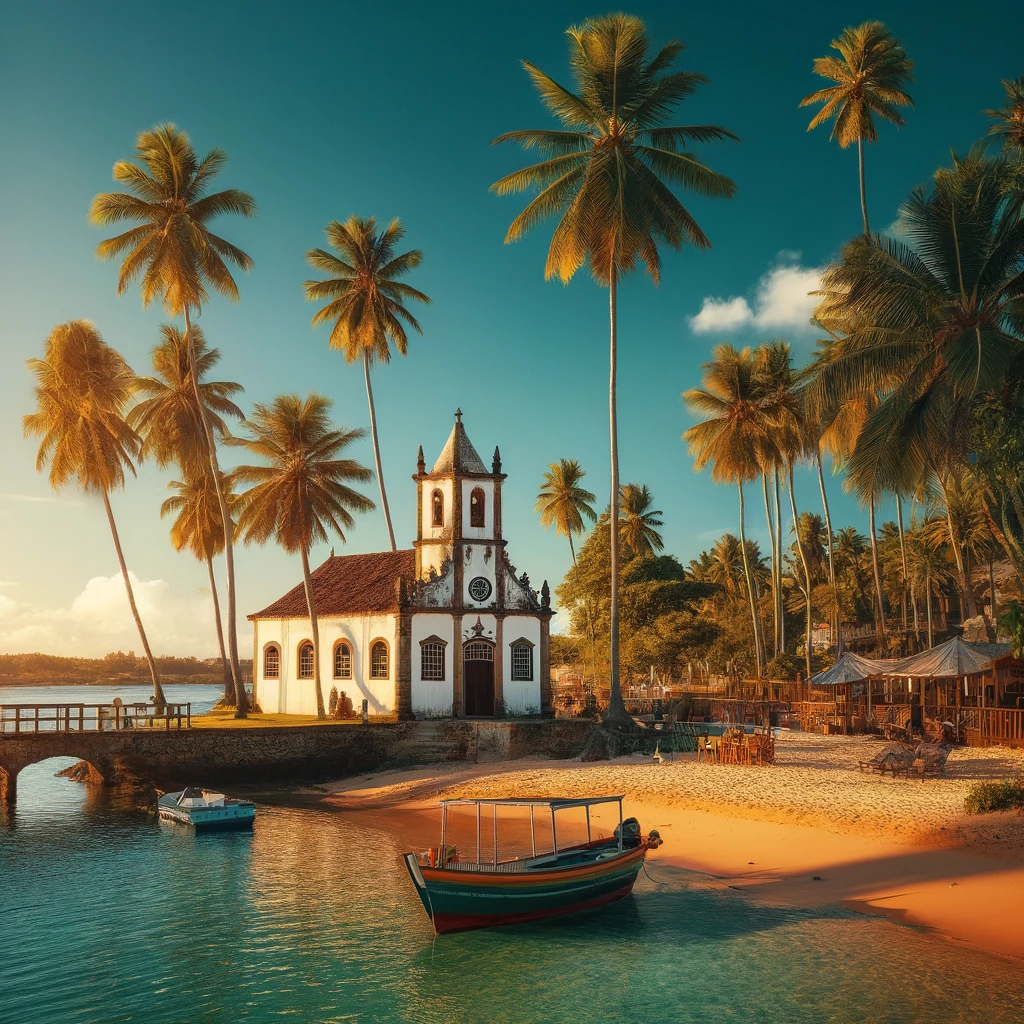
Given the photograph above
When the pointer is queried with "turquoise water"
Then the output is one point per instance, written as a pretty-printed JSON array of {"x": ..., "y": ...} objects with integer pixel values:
[
  {"x": 109, "y": 917},
  {"x": 202, "y": 698}
]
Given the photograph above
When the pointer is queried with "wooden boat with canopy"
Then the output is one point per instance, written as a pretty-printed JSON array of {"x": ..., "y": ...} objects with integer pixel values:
[{"x": 459, "y": 893}]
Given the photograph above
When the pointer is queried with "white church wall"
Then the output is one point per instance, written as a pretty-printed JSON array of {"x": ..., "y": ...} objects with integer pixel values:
[
  {"x": 294, "y": 696},
  {"x": 432, "y": 696},
  {"x": 521, "y": 696},
  {"x": 487, "y": 530},
  {"x": 478, "y": 560},
  {"x": 268, "y": 691},
  {"x": 429, "y": 531}
]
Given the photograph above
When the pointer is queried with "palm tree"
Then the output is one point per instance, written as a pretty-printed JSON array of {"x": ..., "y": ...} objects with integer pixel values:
[
  {"x": 638, "y": 525},
  {"x": 1008, "y": 122},
  {"x": 608, "y": 173},
  {"x": 197, "y": 527},
  {"x": 929, "y": 566},
  {"x": 926, "y": 327},
  {"x": 303, "y": 491},
  {"x": 565, "y": 504},
  {"x": 870, "y": 80},
  {"x": 732, "y": 439},
  {"x": 82, "y": 389},
  {"x": 175, "y": 255},
  {"x": 366, "y": 304},
  {"x": 166, "y": 415},
  {"x": 784, "y": 442}
]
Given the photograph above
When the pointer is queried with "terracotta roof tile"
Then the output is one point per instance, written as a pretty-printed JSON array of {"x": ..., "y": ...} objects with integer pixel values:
[{"x": 348, "y": 585}]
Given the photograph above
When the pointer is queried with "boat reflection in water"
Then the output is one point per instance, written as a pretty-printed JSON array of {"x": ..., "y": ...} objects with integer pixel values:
[
  {"x": 460, "y": 894},
  {"x": 206, "y": 811}
]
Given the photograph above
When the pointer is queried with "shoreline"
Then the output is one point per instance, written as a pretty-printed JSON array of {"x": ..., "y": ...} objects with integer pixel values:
[{"x": 893, "y": 848}]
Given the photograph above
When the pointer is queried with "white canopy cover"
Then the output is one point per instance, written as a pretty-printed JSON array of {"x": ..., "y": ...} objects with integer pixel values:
[{"x": 948, "y": 660}]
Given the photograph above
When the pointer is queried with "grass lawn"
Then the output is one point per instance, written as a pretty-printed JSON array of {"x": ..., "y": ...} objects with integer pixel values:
[{"x": 225, "y": 719}]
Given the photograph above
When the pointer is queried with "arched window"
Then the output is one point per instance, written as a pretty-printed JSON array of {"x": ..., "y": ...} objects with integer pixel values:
[
  {"x": 437, "y": 502},
  {"x": 432, "y": 658},
  {"x": 522, "y": 660},
  {"x": 379, "y": 668},
  {"x": 476, "y": 507},
  {"x": 306, "y": 661},
  {"x": 272, "y": 662},
  {"x": 342, "y": 661}
]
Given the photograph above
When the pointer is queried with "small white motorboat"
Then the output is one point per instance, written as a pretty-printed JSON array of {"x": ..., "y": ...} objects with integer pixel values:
[{"x": 206, "y": 811}]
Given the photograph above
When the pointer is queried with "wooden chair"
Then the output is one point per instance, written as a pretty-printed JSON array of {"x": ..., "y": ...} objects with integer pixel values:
[{"x": 706, "y": 748}]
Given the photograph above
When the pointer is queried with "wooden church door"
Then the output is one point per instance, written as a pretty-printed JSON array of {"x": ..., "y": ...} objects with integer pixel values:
[{"x": 478, "y": 679}]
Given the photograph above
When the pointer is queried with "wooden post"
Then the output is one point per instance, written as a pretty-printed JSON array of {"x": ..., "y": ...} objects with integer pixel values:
[{"x": 533, "y": 834}]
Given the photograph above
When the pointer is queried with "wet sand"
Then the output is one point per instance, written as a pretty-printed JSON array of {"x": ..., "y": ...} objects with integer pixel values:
[{"x": 810, "y": 831}]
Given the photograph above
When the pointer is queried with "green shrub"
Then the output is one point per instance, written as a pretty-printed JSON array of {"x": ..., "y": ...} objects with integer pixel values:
[{"x": 984, "y": 797}]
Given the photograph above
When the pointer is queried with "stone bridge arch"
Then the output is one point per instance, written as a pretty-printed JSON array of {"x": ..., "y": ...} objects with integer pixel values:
[{"x": 18, "y": 754}]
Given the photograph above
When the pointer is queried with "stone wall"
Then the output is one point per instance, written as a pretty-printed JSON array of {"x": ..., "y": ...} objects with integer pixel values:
[{"x": 314, "y": 753}]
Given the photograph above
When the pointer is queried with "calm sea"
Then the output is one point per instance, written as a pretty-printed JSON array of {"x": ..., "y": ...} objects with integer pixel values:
[{"x": 110, "y": 917}]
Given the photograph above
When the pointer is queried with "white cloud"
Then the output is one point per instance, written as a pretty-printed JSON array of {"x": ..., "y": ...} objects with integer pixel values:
[
  {"x": 722, "y": 315},
  {"x": 99, "y": 620},
  {"x": 781, "y": 301}
]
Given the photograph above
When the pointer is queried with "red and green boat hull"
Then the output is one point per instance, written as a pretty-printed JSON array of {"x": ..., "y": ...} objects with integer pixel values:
[{"x": 458, "y": 900}]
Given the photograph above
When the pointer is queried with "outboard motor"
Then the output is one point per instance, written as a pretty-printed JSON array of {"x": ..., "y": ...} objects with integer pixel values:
[
  {"x": 630, "y": 833},
  {"x": 654, "y": 840}
]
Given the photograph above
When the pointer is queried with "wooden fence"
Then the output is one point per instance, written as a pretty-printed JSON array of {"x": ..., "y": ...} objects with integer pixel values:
[{"x": 29, "y": 719}]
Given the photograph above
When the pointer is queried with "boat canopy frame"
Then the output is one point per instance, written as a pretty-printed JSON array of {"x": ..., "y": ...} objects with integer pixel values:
[{"x": 553, "y": 803}]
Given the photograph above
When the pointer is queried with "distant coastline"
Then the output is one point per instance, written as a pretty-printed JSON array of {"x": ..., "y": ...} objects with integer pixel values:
[{"x": 115, "y": 669}]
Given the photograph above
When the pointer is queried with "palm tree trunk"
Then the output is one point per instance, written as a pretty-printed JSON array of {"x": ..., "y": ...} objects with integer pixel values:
[
  {"x": 750, "y": 587},
  {"x": 586, "y": 612},
  {"x": 616, "y": 707},
  {"x": 807, "y": 573},
  {"x": 903, "y": 556},
  {"x": 241, "y": 703},
  {"x": 831, "y": 557},
  {"x": 928, "y": 608},
  {"x": 775, "y": 586},
  {"x": 158, "y": 690},
  {"x": 229, "y": 683},
  {"x": 863, "y": 190},
  {"x": 879, "y": 606},
  {"x": 993, "y": 612},
  {"x": 965, "y": 596},
  {"x": 778, "y": 559},
  {"x": 376, "y": 450},
  {"x": 321, "y": 711}
]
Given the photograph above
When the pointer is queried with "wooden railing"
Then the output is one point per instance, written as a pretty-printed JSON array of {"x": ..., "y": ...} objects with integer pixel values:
[
  {"x": 1003, "y": 726},
  {"x": 31, "y": 719}
]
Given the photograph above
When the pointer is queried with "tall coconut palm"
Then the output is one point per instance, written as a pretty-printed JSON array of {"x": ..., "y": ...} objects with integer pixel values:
[
  {"x": 871, "y": 75},
  {"x": 638, "y": 525},
  {"x": 197, "y": 528},
  {"x": 731, "y": 438},
  {"x": 608, "y": 174},
  {"x": 303, "y": 490},
  {"x": 784, "y": 442},
  {"x": 175, "y": 256},
  {"x": 83, "y": 388},
  {"x": 366, "y": 304},
  {"x": 166, "y": 415}
]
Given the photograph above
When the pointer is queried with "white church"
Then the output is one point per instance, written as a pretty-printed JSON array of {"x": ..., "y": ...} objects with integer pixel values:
[{"x": 443, "y": 628}]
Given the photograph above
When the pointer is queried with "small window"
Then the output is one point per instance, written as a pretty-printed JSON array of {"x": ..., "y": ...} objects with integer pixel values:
[
  {"x": 522, "y": 662},
  {"x": 379, "y": 660},
  {"x": 432, "y": 660},
  {"x": 476, "y": 507},
  {"x": 272, "y": 662},
  {"x": 438, "y": 506},
  {"x": 343, "y": 661},
  {"x": 306, "y": 661}
]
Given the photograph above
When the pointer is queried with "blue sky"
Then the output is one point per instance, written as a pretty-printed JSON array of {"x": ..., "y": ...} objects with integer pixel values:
[{"x": 328, "y": 109}]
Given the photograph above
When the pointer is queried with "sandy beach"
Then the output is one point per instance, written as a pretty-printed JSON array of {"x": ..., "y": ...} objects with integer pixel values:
[{"x": 810, "y": 831}]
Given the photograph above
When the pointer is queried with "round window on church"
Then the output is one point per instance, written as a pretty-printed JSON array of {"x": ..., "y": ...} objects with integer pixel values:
[{"x": 479, "y": 588}]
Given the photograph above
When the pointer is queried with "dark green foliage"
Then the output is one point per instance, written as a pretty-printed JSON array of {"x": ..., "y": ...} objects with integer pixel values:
[{"x": 985, "y": 797}]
